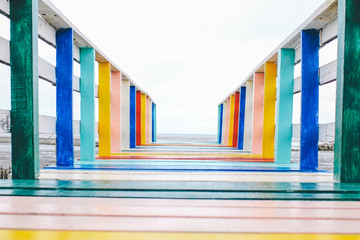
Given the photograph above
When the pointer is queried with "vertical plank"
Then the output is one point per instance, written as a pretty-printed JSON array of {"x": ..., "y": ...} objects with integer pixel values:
[
  {"x": 153, "y": 122},
  {"x": 138, "y": 118},
  {"x": 132, "y": 116},
  {"x": 223, "y": 134},
  {"x": 236, "y": 120},
  {"x": 115, "y": 109},
  {"x": 24, "y": 89},
  {"x": 143, "y": 118},
  {"x": 309, "y": 135},
  {"x": 227, "y": 120},
  {"x": 220, "y": 122},
  {"x": 242, "y": 103},
  {"x": 347, "y": 137},
  {"x": 64, "y": 98},
  {"x": 248, "y": 121},
  {"x": 231, "y": 120},
  {"x": 125, "y": 114},
  {"x": 87, "y": 91},
  {"x": 150, "y": 121},
  {"x": 284, "y": 105},
  {"x": 147, "y": 120},
  {"x": 269, "y": 110},
  {"x": 104, "y": 110},
  {"x": 258, "y": 113}
]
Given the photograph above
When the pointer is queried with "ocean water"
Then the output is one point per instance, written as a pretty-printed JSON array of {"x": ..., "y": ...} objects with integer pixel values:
[{"x": 177, "y": 138}]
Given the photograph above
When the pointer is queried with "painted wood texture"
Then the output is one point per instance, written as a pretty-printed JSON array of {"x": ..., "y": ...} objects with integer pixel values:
[
  {"x": 248, "y": 123},
  {"x": 125, "y": 115},
  {"x": 64, "y": 97},
  {"x": 143, "y": 118},
  {"x": 87, "y": 90},
  {"x": 231, "y": 120},
  {"x": 269, "y": 110},
  {"x": 220, "y": 122},
  {"x": 236, "y": 120},
  {"x": 132, "y": 116},
  {"x": 104, "y": 110},
  {"x": 115, "y": 107},
  {"x": 309, "y": 135},
  {"x": 347, "y": 137},
  {"x": 242, "y": 99},
  {"x": 284, "y": 105},
  {"x": 138, "y": 118},
  {"x": 153, "y": 122},
  {"x": 258, "y": 113},
  {"x": 24, "y": 89}
]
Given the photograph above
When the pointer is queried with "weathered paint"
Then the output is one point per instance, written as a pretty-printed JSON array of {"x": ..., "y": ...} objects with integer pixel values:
[
  {"x": 231, "y": 120},
  {"x": 227, "y": 117},
  {"x": 24, "y": 89},
  {"x": 242, "y": 102},
  {"x": 269, "y": 110},
  {"x": 258, "y": 113},
  {"x": 347, "y": 137},
  {"x": 125, "y": 114},
  {"x": 143, "y": 118},
  {"x": 220, "y": 122},
  {"x": 309, "y": 135},
  {"x": 64, "y": 98},
  {"x": 284, "y": 105},
  {"x": 153, "y": 122},
  {"x": 87, "y": 90},
  {"x": 236, "y": 120},
  {"x": 115, "y": 100},
  {"x": 132, "y": 116},
  {"x": 248, "y": 122},
  {"x": 138, "y": 118},
  {"x": 104, "y": 110}
]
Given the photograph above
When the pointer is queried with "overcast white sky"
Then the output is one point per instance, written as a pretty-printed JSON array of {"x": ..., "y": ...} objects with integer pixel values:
[{"x": 187, "y": 54}]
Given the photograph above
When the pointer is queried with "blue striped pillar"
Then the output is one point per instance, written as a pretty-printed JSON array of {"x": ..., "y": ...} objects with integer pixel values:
[
  {"x": 64, "y": 98},
  {"x": 154, "y": 122},
  {"x": 132, "y": 116},
  {"x": 220, "y": 123},
  {"x": 309, "y": 135},
  {"x": 87, "y": 91},
  {"x": 241, "y": 118},
  {"x": 284, "y": 105}
]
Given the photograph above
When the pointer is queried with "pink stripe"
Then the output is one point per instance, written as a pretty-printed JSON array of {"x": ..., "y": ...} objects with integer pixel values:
[
  {"x": 115, "y": 111},
  {"x": 258, "y": 113}
]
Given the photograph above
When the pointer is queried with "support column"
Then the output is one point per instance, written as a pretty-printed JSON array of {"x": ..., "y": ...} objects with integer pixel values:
[
  {"x": 143, "y": 118},
  {"x": 248, "y": 121},
  {"x": 269, "y": 110},
  {"x": 64, "y": 98},
  {"x": 236, "y": 120},
  {"x": 115, "y": 108},
  {"x": 347, "y": 137},
  {"x": 241, "y": 118},
  {"x": 284, "y": 105},
  {"x": 138, "y": 118},
  {"x": 231, "y": 120},
  {"x": 132, "y": 116},
  {"x": 227, "y": 118},
  {"x": 220, "y": 123},
  {"x": 87, "y": 91},
  {"x": 24, "y": 89},
  {"x": 258, "y": 113},
  {"x": 125, "y": 114},
  {"x": 150, "y": 121},
  {"x": 104, "y": 110},
  {"x": 309, "y": 135},
  {"x": 147, "y": 120},
  {"x": 223, "y": 130},
  {"x": 153, "y": 122}
]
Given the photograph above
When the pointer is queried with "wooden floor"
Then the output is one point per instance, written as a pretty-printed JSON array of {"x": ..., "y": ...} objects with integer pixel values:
[{"x": 139, "y": 196}]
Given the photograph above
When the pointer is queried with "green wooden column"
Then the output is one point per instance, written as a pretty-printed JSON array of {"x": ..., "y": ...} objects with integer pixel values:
[
  {"x": 24, "y": 88},
  {"x": 347, "y": 126}
]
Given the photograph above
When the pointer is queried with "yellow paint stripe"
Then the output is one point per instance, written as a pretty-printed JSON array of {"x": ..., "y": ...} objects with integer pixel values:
[
  {"x": 188, "y": 154},
  {"x": 79, "y": 235},
  {"x": 231, "y": 120},
  {"x": 143, "y": 119},
  {"x": 104, "y": 110}
]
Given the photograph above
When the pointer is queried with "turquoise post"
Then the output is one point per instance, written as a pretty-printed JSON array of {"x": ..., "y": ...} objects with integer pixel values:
[
  {"x": 154, "y": 131},
  {"x": 284, "y": 105},
  {"x": 24, "y": 89},
  {"x": 347, "y": 126},
  {"x": 220, "y": 113},
  {"x": 87, "y": 90}
]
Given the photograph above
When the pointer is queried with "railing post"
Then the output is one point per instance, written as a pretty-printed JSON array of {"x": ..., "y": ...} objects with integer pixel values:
[
  {"x": 64, "y": 98},
  {"x": 248, "y": 121},
  {"x": 115, "y": 107},
  {"x": 132, "y": 116},
  {"x": 87, "y": 91},
  {"x": 309, "y": 135},
  {"x": 258, "y": 113},
  {"x": 220, "y": 123},
  {"x": 347, "y": 137},
  {"x": 24, "y": 89},
  {"x": 236, "y": 120},
  {"x": 125, "y": 114},
  {"x": 242, "y": 102},
  {"x": 284, "y": 105}
]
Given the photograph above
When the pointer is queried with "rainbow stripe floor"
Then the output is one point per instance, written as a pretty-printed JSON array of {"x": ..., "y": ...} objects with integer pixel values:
[{"x": 179, "y": 191}]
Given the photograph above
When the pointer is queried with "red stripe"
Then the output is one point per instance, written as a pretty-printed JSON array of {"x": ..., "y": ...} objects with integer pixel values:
[
  {"x": 138, "y": 118},
  {"x": 236, "y": 120}
]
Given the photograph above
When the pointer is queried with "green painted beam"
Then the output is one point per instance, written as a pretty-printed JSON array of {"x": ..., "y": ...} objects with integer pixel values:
[
  {"x": 24, "y": 88},
  {"x": 347, "y": 126}
]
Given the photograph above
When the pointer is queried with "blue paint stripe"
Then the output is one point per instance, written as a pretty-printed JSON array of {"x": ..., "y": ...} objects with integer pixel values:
[
  {"x": 64, "y": 98},
  {"x": 132, "y": 117},
  {"x": 220, "y": 122},
  {"x": 309, "y": 136},
  {"x": 153, "y": 123},
  {"x": 241, "y": 118}
]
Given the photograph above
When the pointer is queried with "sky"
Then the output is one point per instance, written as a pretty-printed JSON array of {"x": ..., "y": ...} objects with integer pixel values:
[{"x": 187, "y": 54}]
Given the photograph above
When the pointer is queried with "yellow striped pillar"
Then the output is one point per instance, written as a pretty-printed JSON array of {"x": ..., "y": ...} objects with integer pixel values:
[
  {"x": 143, "y": 118},
  {"x": 231, "y": 120}
]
